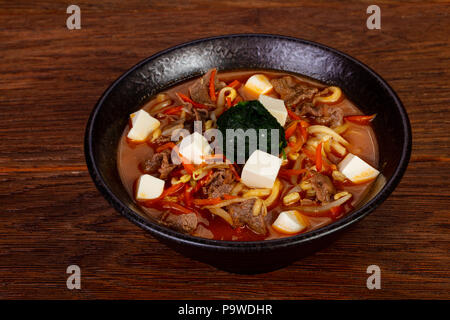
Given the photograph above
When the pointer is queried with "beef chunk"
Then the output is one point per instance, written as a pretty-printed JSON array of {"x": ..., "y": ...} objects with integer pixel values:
[
  {"x": 323, "y": 114},
  {"x": 242, "y": 214},
  {"x": 185, "y": 223},
  {"x": 293, "y": 92},
  {"x": 220, "y": 184},
  {"x": 159, "y": 163},
  {"x": 323, "y": 186},
  {"x": 199, "y": 91}
]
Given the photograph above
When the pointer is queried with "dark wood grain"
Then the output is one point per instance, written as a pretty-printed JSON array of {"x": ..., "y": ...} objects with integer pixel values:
[{"x": 52, "y": 216}]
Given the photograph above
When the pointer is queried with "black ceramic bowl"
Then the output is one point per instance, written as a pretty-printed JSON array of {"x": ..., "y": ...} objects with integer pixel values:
[{"x": 246, "y": 51}]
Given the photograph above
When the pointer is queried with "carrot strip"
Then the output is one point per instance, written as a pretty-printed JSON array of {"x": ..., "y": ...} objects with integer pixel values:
[
  {"x": 237, "y": 100},
  {"x": 212, "y": 89},
  {"x": 292, "y": 114},
  {"x": 290, "y": 130},
  {"x": 206, "y": 202},
  {"x": 303, "y": 126},
  {"x": 319, "y": 157},
  {"x": 363, "y": 120},
  {"x": 189, "y": 100},
  {"x": 229, "y": 197},
  {"x": 234, "y": 84},
  {"x": 173, "y": 110},
  {"x": 236, "y": 174},
  {"x": 309, "y": 154},
  {"x": 169, "y": 191},
  {"x": 188, "y": 195},
  {"x": 168, "y": 145},
  {"x": 228, "y": 102}
]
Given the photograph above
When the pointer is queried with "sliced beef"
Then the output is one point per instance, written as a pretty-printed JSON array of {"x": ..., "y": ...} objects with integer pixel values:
[
  {"x": 323, "y": 114},
  {"x": 160, "y": 162},
  {"x": 185, "y": 223},
  {"x": 161, "y": 140},
  {"x": 220, "y": 184},
  {"x": 242, "y": 214},
  {"x": 323, "y": 186},
  {"x": 293, "y": 92},
  {"x": 199, "y": 91}
]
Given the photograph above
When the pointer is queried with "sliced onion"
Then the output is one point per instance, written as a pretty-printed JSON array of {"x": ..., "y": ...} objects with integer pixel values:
[
  {"x": 223, "y": 214},
  {"x": 323, "y": 208},
  {"x": 317, "y": 129}
]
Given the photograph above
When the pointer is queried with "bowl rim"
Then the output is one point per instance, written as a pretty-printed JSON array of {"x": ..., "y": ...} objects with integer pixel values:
[{"x": 169, "y": 234}]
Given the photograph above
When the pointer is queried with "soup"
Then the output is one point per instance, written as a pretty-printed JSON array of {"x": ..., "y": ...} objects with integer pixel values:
[{"x": 248, "y": 155}]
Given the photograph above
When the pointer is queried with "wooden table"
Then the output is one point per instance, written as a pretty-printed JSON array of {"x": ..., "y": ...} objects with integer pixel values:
[{"x": 52, "y": 216}]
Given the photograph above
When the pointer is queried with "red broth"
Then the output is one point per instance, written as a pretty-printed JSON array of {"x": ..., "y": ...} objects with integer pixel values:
[{"x": 363, "y": 143}]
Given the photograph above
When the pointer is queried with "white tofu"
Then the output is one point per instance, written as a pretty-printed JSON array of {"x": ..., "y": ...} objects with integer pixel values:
[
  {"x": 260, "y": 170},
  {"x": 356, "y": 169},
  {"x": 149, "y": 187},
  {"x": 290, "y": 222},
  {"x": 194, "y": 148},
  {"x": 258, "y": 84},
  {"x": 142, "y": 124},
  {"x": 276, "y": 107}
]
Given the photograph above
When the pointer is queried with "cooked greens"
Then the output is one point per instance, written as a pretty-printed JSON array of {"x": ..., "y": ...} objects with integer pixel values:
[{"x": 250, "y": 115}]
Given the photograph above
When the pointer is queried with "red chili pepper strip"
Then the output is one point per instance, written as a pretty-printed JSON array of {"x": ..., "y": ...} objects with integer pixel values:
[
  {"x": 202, "y": 181},
  {"x": 173, "y": 110},
  {"x": 212, "y": 89},
  {"x": 189, "y": 100},
  {"x": 363, "y": 120},
  {"x": 309, "y": 154},
  {"x": 319, "y": 157}
]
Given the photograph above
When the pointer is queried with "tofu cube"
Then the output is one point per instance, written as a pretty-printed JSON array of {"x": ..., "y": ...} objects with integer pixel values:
[
  {"x": 142, "y": 124},
  {"x": 149, "y": 187},
  {"x": 260, "y": 170},
  {"x": 194, "y": 148},
  {"x": 290, "y": 222},
  {"x": 258, "y": 84},
  {"x": 275, "y": 106},
  {"x": 356, "y": 169}
]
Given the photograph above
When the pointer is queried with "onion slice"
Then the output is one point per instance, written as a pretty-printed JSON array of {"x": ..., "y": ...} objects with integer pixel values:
[
  {"x": 223, "y": 214},
  {"x": 316, "y": 129},
  {"x": 323, "y": 208}
]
